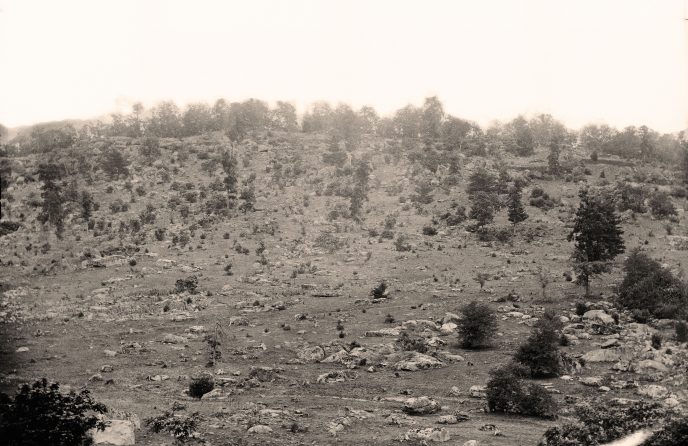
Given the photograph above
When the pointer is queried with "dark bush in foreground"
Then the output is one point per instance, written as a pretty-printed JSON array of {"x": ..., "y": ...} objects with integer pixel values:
[
  {"x": 201, "y": 385},
  {"x": 181, "y": 427},
  {"x": 189, "y": 284},
  {"x": 673, "y": 433},
  {"x": 477, "y": 326},
  {"x": 603, "y": 422},
  {"x": 41, "y": 415},
  {"x": 682, "y": 332},
  {"x": 507, "y": 393}
]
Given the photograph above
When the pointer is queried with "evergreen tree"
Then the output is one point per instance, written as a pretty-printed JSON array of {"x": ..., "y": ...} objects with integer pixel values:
[
  {"x": 597, "y": 236},
  {"x": 230, "y": 166},
  {"x": 540, "y": 352},
  {"x": 360, "y": 192},
  {"x": 52, "y": 209},
  {"x": 483, "y": 206},
  {"x": 517, "y": 213}
]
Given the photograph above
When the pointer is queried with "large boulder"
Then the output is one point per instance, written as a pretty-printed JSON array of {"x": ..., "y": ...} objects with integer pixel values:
[
  {"x": 598, "y": 316},
  {"x": 601, "y": 355},
  {"x": 415, "y": 361},
  {"x": 117, "y": 433},
  {"x": 427, "y": 434},
  {"x": 654, "y": 391},
  {"x": 311, "y": 354},
  {"x": 421, "y": 405}
]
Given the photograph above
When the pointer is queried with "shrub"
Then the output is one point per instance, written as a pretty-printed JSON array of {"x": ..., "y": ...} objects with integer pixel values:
[
  {"x": 201, "y": 385},
  {"x": 400, "y": 244},
  {"x": 477, "y": 326},
  {"x": 181, "y": 427},
  {"x": 681, "y": 331},
  {"x": 429, "y": 230},
  {"x": 189, "y": 284},
  {"x": 412, "y": 343},
  {"x": 656, "y": 341},
  {"x": 672, "y": 433},
  {"x": 540, "y": 352},
  {"x": 649, "y": 286},
  {"x": 41, "y": 415},
  {"x": 631, "y": 197},
  {"x": 603, "y": 422},
  {"x": 507, "y": 393},
  {"x": 379, "y": 291},
  {"x": 661, "y": 205},
  {"x": 581, "y": 308}
]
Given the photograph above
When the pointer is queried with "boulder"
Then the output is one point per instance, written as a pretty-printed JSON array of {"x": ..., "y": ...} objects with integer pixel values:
[
  {"x": 478, "y": 391},
  {"x": 598, "y": 316},
  {"x": 592, "y": 381},
  {"x": 601, "y": 355},
  {"x": 260, "y": 429},
  {"x": 653, "y": 391},
  {"x": 311, "y": 354},
  {"x": 173, "y": 339},
  {"x": 421, "y": 405},
  {"x": 651, "y": 366},
  {"x": 415, "y": 361},
  {"x": 117, "y": 433},
  {"x": 427, "y": 434}
]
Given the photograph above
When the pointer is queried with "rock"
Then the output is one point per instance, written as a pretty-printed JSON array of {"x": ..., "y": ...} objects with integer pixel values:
[
  {"x": 421, "y": 405},
  {"x": 336, "y": 376},
  {"x": 450, "y": 357},
  {"x": 418, "y": 361},
  {"x": 598, "y": 316},
  {"x": 110, "y": 353},
  {"x": 671, "y": 402},
  {"x": 471, "y": 443},
  {"x": 448, "y": 328},
  {"x": 592, "y": 381},
  {"x": 97, "y": 377},
  {"x": 451, "y": 317},
  {"x": 654, "y": 391},
  {"x": 447, "y": 419},
  {"x": 238, "y": 320},
  {"x": 601, "y": 355},
  {"x": 478, "y": 391},
  {"x": 260, "y": 429},
  {"x": 650, "y": 365},
  {"x": 311, "y": 354},
  {"x": 118, "y": 433},
  {"x": 214, "y": 395},
  {"x": 455, "y": 391},
  {"x": 22, "y": 349},
  {"x": 107, "y": 368},
  {"x": 173, "y": 339},
  {"x": 604, "y": 389},
  {"x": 428, "y": 434},
  {"x": 197, "y": 329},
  {"x": 610, "y": 343},
  {"x": 384, "y": 332}
]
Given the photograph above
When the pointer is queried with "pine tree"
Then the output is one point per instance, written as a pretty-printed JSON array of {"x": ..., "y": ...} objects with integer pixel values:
[
  {"x": 517, "y": 213},
  {"x": 483, "y": 205},
  {"x": 230, "y": 166},
  {"x": 597, "y": 237}
]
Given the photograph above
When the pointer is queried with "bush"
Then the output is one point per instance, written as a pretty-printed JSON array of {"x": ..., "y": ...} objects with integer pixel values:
[
  {"x": 41, "y": 415},
  {"x": 477, "y": 326},
  {"x": 201, "y": 385},
  {"x": 681, "y": 331},
  {"x": 656, "y": 341},
  {"x": 507, "y": 393},
  {"x": 661, "y": 205},
  {"x": 379, "y": 291},
  {"x": 672, "y": 433},
  {"x": 189, "y": 284},
  {"x": 581, "y": 308},
  {"x": 631, "y": 197},
  {"x": 181, "y": 427},
  {"x": 429, "y": 230},
  {"x": 603, "y": 422},
  {"x": 540, "y": 352},
  {"x": 412, "y": 343},
  {"x": 649, "y": 286}
]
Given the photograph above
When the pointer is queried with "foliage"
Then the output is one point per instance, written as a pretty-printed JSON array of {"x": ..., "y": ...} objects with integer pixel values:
[
  {"x": 200, "y": 385},
  {"x": 190, "y": 284},
  {"x": 672, "y": 433},
  {"x": 507, "y": 393},
  {"x": 661, "y": 205},
  {"x": 602, "y": 422},
  {"x": 114, "y": 163},
  {"x": 483, "y": 206},
  {"x": 597, "y": 236},
  {"x": 181, "y": 427},
  {"x": 42, "y": 415},
  {"x": 681, "y": 331},
  {"x": 379, "y": 291},
  {"x": 649, "y": 286},
  {"x": 516, "y": 212},
  {"x": 477, "y": 326},
  {"x": 540, "y": 352}
]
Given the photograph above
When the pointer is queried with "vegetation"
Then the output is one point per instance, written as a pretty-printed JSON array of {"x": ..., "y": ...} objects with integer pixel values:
[
  {"x": 477, "y": 326},
  {"x": 507, "y": 393}
]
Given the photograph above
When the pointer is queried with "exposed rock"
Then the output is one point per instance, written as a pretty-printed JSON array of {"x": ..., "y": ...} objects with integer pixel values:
[
  {"x": 417, "y": 361},
  {"x": 311, "y": 354},
  {"x": 421, "y": 405},
  {"x": 383, "y": 332},
  {"x": 336, "y": 376},
  {"x": 650, "y": 365},
  {"x": 601, "y": 355},
  {"x": 118, "y": 433},
  {"x": 598, "y": 316},
  {"x": 654, "y": 391},
  {"x": 173, "y": 339},
  {"x": 478, "y": 391},
  {"x": 592, "y": 381},
  {"x": 260, "y": 429},
  {"x": 428, "y": 434}
]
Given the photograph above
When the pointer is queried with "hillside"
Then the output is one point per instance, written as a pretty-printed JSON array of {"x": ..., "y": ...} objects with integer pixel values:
[{"x": 284, "y": 280}]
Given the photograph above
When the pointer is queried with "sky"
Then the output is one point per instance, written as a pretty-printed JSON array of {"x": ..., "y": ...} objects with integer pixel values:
[{"x": 622, "y": 62}]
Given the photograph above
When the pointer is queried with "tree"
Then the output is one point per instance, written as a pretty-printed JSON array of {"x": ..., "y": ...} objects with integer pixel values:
[
  {"x": 230, "y": 166},
  {"x": 360, "y": 193},
  {"x": 432, "y": 116},
  {"x": 219, "y": 115},
  {"x": 369, "y": 120},
  {"x": 165, "y": 120},
  {"x": 477, "y": 326},
  {"x": 482, "y": 180},
  {"x": 318, "y": 119},
  {"x": 684, "y": 160},
  {"x": 524, "y": 142},
  {"x": 407, "y": 122},
  {"x": 52, "y": 208},
  {"x": 197, "y": 119},
  {"x": 42, "y": 415},
  {"x": 517, "y": 213},
  {"x": 463, "y": 136},
  {"x": 283, "y": 117},
  {"x": 346, "y": 126},
  {"x": 483, "y": 207},
  {"x": 597, "y": 236},
  {"x": 134, "y": 121},
  {"x": 540, "y": 352},
  {"x": 115, "y": 163}
]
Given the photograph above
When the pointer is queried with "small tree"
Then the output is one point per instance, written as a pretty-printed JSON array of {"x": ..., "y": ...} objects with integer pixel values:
[
  {"x": 540, "y": 352},
  {"x": 661, "y": 205},
  {"x": 597, "y": 236},
  {"x": 517, "y": 213},
  {"x": 544, "y": 279},
  {"x": 477, "y": 326},
  {"x": 42, "y": 415},
  {"x": 483, "y": 207}
]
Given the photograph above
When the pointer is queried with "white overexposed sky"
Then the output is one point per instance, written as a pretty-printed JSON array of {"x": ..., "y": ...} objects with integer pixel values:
[{"x": 622, "y": 62}]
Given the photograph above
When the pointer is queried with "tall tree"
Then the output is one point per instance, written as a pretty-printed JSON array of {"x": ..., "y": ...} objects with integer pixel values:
[
  {"x": 165, "y": 120},
  {"x": 517, "y": 213},
  {"x": 597, "y": 236},
  {"x": 432, "y": 116},
  {"x": 52, "y": 208},
  {"x": 283, "y": 117}
]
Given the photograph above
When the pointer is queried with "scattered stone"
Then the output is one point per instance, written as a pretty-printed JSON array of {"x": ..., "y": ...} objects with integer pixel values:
[
  {"x": 260, "y": 429},
  {"x": 478, "y": 391},
  {"x": 428, "y": 434},
  {"x": 110, "y": 353},
  {"x": 421, "y": 405},
  {"x": 418, "y": 361},
  {"x": 173, "y": 339},
  {"x": 107, "y": 368},
  {"x": 383, "y": 332},
  {"x": 471, "y": 443},
  {"x": 592, "y": 381},
  {"x": 653, "y": 391},
  {"x": 22, "y": 349},
  {"x": 96, "y": 377},
  {"x": 311, "y": 354},
  {"x": 336, "y": 376},
  {"x": 601, "y": 355}
]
